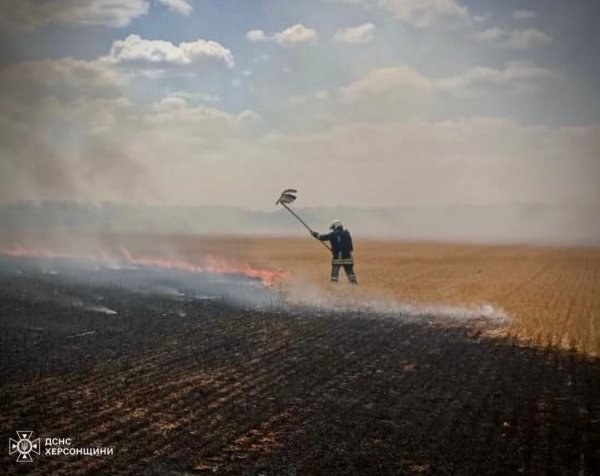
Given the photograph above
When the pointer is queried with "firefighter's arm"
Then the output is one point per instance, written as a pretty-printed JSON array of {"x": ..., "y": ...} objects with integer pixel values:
[{"x": 320, "y": 237}]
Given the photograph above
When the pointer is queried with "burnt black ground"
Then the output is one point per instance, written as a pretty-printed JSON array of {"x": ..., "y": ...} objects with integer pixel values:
[{"x": 182, "y": 386}]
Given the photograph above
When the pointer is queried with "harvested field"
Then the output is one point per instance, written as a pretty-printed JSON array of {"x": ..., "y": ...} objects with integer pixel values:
[
  {"x": 551, "y": 294},
  {"x": 177, "y": 385}
]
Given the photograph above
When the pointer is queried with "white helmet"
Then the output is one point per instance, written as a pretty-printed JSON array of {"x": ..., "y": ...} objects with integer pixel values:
[{"x": 336, "y": 224}]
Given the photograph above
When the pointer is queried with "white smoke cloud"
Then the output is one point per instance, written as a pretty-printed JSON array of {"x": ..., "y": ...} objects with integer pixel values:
[{"x": 64, "y": 78}]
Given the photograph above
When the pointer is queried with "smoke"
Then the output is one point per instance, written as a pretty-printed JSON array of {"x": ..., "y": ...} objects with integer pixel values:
[
  {"x": 517, "y": 223},
  {"x": 57, "y": 143},
  {"x": 88, "y": 281},
  {"x": 349, "y": 300}
]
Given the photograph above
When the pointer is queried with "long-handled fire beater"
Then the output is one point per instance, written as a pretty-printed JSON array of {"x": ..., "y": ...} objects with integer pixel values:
[{"x": 288, "y": 196}]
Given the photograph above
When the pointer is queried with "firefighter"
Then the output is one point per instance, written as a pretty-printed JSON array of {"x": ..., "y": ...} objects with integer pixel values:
[{"x": 341, "y": 248}]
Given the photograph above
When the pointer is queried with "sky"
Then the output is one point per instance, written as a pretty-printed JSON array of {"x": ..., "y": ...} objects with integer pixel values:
[{"x": 364, "y": 103}]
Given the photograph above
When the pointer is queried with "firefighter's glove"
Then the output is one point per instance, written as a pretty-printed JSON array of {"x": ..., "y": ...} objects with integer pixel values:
[{"x": 314, "y": 234}]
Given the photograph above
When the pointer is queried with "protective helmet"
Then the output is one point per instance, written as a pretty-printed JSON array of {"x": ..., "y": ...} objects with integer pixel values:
[{"x": 335, "y": 225}]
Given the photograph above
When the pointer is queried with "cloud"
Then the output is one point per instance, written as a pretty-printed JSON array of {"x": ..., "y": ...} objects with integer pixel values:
[
  {"x": 178, "y": 113},
  {"x": 404, "y": 89},
  {"x": 529, "y": 38},
  {"x": 389, "y": 86},
  {"x": 491, "y": 34},
  {"x": 419, "y": 13},
  {"x": 483, "y": 18},
  {"x": 257, "y": 36},
  {"x": 179, "y": 6},
  {"x": 136, "y": 50},
  {"x": 294, "y": 35},
  {"x": 357, "y": 35},
  {"x": 516, "y": 77},
  {"x": 195, "y": 97},
  {"x": 389, "y": 93},
  {"x": 30, "y": 14},
  {"x": 524, "y": 15},
  {"x": 427, "y": 13}
]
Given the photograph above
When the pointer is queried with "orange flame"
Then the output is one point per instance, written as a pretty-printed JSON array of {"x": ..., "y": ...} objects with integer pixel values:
[
  {"x": 268, "y": 277},
  {"x": 19, "y": 251},
  {"x": 160, "y": 262},
  {"x": 211, "y": 264}
]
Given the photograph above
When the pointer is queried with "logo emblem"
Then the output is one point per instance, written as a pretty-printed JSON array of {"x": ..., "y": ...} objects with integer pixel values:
[{"x": 24, "y": 446}]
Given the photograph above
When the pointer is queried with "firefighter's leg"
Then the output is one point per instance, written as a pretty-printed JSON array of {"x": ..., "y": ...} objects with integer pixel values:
[
  {"x": 349, "y": 268},
  {"x": 335, "y": 273}
]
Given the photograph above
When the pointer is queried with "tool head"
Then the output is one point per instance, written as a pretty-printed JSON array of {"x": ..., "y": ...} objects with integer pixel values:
[{"x": 287, "y": 196}]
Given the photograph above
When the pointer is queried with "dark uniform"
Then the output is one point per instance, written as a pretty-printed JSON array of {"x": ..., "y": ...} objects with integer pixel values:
[{"x": 341, "y": 248}]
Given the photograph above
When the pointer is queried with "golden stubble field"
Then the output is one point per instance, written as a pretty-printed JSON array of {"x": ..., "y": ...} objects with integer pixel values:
[{"x": 552, "y": 295}]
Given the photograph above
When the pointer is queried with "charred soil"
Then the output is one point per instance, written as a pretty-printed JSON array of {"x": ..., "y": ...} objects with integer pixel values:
[{"x": 180, "y": 386}]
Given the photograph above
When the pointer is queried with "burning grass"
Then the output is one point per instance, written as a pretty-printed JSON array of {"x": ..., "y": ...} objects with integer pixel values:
[{"x": 194, "y": 264}]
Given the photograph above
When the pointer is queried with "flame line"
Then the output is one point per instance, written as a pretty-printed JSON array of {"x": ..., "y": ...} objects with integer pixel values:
[{"x": 211, "y": 264}]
